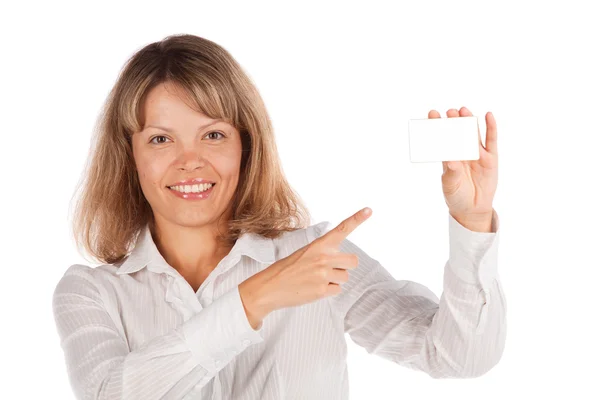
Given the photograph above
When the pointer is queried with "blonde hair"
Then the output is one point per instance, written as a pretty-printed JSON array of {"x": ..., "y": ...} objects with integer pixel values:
[{"x": 112, "y": 210}]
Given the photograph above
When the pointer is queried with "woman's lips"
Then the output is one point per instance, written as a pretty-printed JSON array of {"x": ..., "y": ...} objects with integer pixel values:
[
  {"x": 193, "y": 196},
  {"x": 193, "y": 181}
]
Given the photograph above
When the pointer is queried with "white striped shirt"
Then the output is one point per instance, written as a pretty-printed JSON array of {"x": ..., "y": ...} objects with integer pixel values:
[{"x": 136, "y": 329}]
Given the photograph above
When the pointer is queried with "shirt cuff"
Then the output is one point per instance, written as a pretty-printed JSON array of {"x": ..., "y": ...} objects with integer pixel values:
[
  {"x": 220, "y": 331},
  {"x": 474, "y": 255}
]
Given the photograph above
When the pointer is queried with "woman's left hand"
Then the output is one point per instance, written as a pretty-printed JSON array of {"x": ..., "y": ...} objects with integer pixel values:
[{"x": 469, "y": 186}]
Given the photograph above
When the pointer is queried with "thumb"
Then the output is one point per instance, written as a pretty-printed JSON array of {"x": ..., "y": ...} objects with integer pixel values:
[
  {"x": 453, "y": 165},
  {"x": 450, "y": 165}
]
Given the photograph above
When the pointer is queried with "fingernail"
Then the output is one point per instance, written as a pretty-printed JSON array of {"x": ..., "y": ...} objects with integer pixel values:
[{"x": 366, "y": 211}]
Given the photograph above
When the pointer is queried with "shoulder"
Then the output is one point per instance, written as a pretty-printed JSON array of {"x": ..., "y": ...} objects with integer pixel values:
[
  {"x": 84, "y": 281},
  {"x": 291, "y": 241},
  {"x": 317, "y": 230},
  {"x": 78, "y": 278}
]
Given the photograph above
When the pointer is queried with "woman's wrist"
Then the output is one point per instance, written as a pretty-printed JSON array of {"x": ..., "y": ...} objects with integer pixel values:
[{"x": 254, "y": 305}]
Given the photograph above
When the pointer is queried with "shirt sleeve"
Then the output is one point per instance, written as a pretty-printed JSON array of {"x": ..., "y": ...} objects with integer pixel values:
[
  {"x": 100, "y": 364},
  {"x": 460, "y": 335}
]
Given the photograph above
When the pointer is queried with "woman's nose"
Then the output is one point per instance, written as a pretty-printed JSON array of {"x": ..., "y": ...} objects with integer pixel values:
[{"x": 191, "y": 159}]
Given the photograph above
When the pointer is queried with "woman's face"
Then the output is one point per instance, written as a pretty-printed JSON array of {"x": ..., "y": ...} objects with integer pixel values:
[{"x": 187, "y": 145}]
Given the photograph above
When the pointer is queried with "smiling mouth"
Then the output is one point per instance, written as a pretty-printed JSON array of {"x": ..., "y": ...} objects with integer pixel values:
[{"x": 180, "y": 189}]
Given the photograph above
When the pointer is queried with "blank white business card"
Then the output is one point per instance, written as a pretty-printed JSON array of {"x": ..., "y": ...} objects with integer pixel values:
[{"x": 443, "y": 139}]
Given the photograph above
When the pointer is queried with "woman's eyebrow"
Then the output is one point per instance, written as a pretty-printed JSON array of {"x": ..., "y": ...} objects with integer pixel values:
[{"x": 170, "y": 130}]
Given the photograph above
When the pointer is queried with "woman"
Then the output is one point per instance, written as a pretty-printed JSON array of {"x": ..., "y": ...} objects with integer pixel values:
[{"x": 227, "y": 292}]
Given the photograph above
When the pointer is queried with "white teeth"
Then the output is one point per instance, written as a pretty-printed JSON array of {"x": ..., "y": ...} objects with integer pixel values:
[{"x": 192, "y": 188}]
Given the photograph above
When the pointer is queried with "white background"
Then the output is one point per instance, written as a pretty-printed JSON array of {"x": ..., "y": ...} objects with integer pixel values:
[{"x": 340, "y": 81}]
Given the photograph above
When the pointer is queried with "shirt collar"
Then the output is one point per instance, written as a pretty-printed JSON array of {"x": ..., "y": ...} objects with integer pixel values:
[{"x": 145, "y": 253}]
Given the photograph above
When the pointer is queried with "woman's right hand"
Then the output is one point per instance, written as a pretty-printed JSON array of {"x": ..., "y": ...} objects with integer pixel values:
[{"x": 310, "y": 273}]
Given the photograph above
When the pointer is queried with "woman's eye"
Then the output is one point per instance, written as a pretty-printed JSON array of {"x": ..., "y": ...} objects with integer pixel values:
[
  {"x": 160, "y": 136},
  {"x": 216, "y": 132}
]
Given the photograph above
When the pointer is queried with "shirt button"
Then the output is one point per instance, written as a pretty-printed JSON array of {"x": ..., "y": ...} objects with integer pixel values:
[
  {"x": 246, "y": 342},
  {"x": 486, "y": 295}
]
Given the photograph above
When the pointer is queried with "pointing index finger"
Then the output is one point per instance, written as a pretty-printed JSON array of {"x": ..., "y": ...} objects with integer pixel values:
[{"x": 335, "y": 236}]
